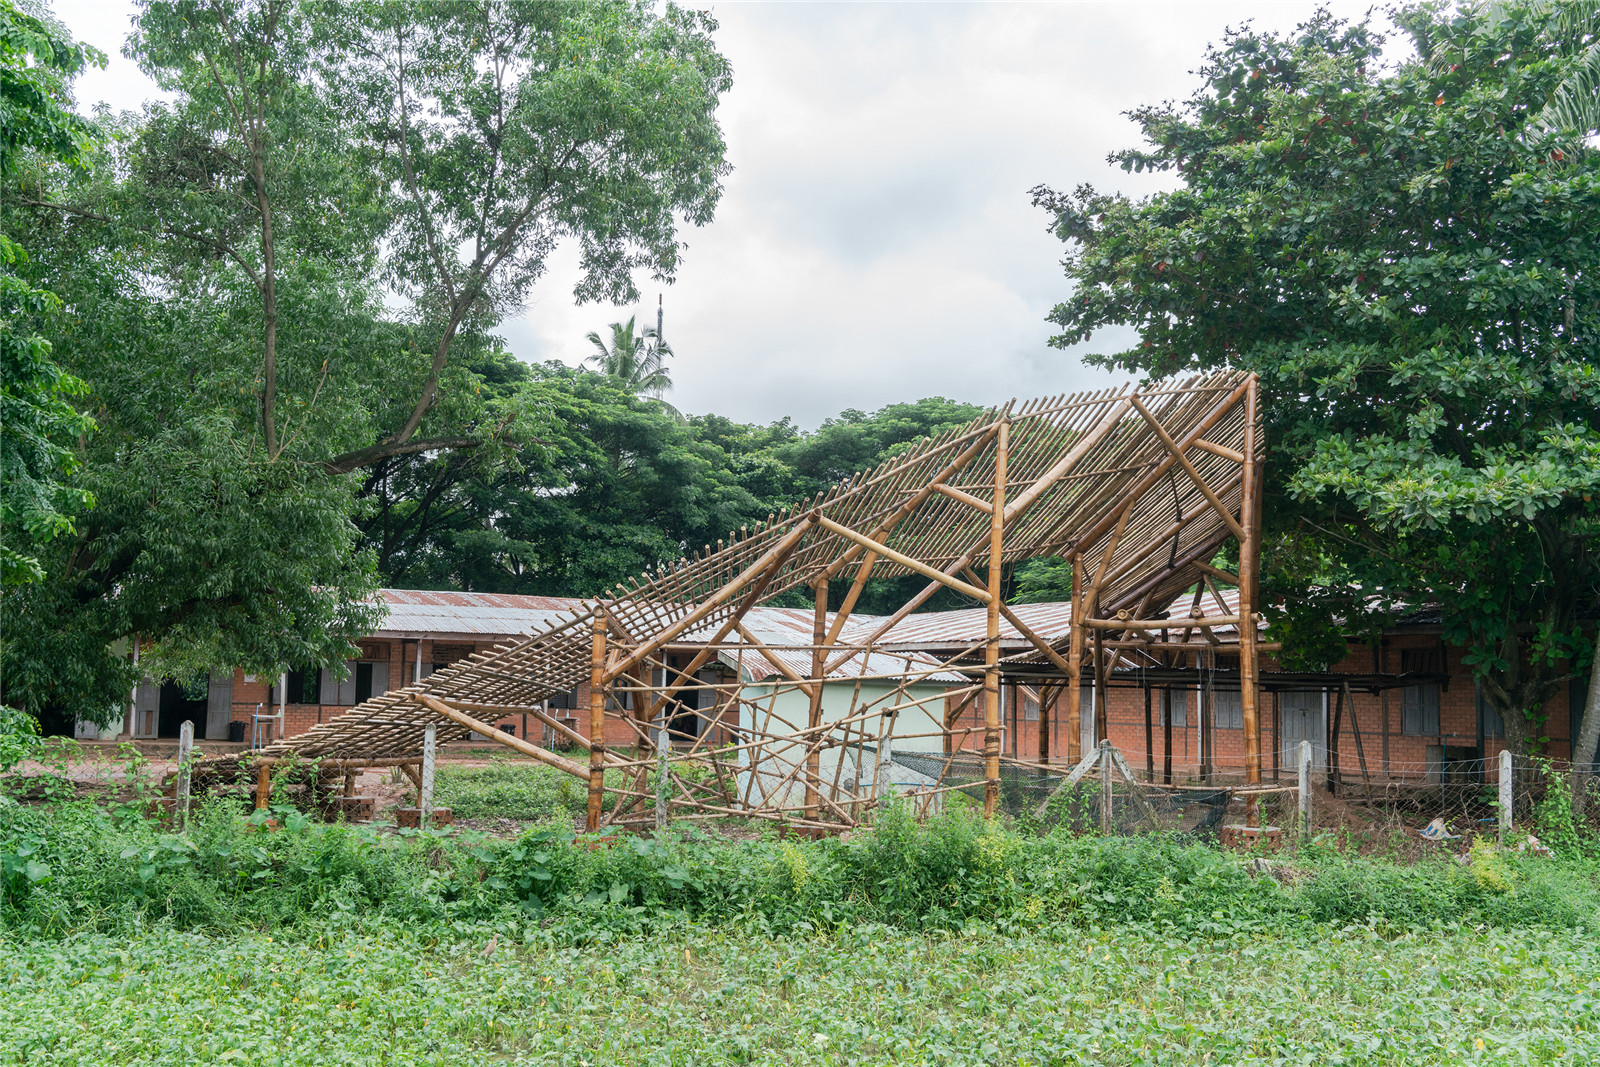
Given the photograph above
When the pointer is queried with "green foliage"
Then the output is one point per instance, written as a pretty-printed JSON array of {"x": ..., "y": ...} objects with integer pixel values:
[
  {"x": 1402, "y": 253},
  {"x": 637, "y": 359},
  {"x": 38, "y": 424},
  {"x": 955, "y": 871},
  {"x": 492, "y": 994},
  {"x": 508, "y": 789},
  {"x": 1553, "y": 816},
  {"x": 37, "y": 61},
  {"x": 1043, "y": 581}
]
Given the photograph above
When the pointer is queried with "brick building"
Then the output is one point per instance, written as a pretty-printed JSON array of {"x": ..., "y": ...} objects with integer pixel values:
[{"x": 1408, "y": 710}]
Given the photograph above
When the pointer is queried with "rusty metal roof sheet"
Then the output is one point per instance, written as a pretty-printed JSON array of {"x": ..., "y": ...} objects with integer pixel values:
[{"x": 429, "y": 613}]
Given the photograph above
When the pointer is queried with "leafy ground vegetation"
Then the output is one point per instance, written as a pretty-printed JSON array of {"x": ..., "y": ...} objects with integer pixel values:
[{"x": 956, "y": 941}]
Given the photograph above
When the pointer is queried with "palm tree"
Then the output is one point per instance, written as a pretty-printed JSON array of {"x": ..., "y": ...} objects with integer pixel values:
[
  {"x": 1575, "y": 105},
  {"x": 635, "y": 358}
]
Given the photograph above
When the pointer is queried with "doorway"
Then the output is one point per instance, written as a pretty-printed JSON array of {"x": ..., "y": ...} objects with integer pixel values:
[
  {"x": 176, "y": 706},
  {"x": 1300, "y": 716}
]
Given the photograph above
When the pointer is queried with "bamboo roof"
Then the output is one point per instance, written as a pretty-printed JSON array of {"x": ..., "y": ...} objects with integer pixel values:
[{"x": 1079, "y": 469}]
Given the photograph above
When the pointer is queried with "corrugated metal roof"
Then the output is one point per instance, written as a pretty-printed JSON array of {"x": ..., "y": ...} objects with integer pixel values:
[
  {"x": 423, "y": 612},
  {"x": 970, "y": 626}
]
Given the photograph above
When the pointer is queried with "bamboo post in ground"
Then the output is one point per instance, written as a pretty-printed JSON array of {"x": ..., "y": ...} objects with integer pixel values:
[
  {"x": 263, "y": 784},
  {"x": 430, "y": 743},
  {"x": 1249, "y": 573},
  {"x": 597, "y": 721},
  {"x": 1102, "y": 683},
  {"x": 1333, "y": 742},
  {"x": 1506, "y": 795},
  {"x": 819, "y": 659},
  {"x": 1305, "y": 788},
  {"x": 1105, "y": 787},
  {"x": 1075, "y": 665},
  {"x": 662, "y": 777},
  {"x": 991, "y": 652},
  {"x": 181, "y": 792}
]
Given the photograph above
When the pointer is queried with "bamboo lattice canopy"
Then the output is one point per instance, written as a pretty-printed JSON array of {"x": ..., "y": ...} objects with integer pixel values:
[{"x": 1128, "y": 480}]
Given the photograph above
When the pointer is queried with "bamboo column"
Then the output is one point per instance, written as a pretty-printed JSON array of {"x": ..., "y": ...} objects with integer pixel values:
[
  {"x": 1249, "y": 576},
  {"x": 597, "y": 720},
  {"x": 1075, "y": 665},
  {"x": 991, "y": 653},
  {"x": 1102, "y": 684},
  {"x": 819, "y": 659}
]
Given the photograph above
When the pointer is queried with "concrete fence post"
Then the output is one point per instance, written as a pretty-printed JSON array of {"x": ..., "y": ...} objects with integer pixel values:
[
  {"x": 430, "y": 737},
  {"x": 1105, "y": 787},
  {"x": 1305, "y": 789},
  {"x": 181, "y": 795},
  {"x": 1506, "y": 783}
]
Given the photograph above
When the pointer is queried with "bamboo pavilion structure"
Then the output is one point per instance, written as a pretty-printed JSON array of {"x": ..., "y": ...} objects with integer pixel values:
[{"x": 1138, "y": 487}]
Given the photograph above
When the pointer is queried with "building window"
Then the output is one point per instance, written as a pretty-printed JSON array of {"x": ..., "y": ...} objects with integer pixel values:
[
  {"x": 1419, "y": 704},
  {"x": 1227, "y": 709},
  {"x": 1180, "y": 708},
  {"x": 1490, "y": 725},
  {"x": 304, "y": 685},
  {"x": 1030, "y": 704},
  {"x": 564, "y": 701}
]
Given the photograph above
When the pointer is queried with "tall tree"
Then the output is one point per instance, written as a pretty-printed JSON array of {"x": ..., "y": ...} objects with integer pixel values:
[
  {"x": 506, "y": 127},
  {"x": 38, "y": 424},
  {"x": 229, "y": 263},
  {"x": 1407, "y": 257}
]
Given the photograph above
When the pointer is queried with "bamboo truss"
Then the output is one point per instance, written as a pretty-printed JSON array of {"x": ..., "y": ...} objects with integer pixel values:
[{"x": 1138, "y": 487}]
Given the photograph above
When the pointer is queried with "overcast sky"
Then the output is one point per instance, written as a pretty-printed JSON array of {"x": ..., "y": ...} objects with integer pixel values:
[{"x": 875, "y": 242}]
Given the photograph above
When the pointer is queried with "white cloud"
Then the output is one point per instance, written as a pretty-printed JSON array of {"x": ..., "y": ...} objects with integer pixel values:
[{"x": 876, "y": 241}]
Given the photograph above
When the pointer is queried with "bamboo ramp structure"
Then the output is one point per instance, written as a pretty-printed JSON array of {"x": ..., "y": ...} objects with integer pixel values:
[{"x": 1138, "y": 487}]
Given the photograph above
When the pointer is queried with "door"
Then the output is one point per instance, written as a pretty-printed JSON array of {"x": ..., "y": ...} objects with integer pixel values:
[
  {"x": 219, "y": 705},
  {"x": 146, "y": 708},
  {"x": 1300, "y": 715}
]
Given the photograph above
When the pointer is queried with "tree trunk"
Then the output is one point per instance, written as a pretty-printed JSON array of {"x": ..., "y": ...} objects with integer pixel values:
[{"x": 1584, "y": 755}]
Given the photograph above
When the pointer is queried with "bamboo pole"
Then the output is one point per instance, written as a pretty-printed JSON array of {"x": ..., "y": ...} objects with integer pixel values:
[
  {"x": 597, "y": 720},
  {"x": 1075, "y": 663},
  {"x": 1249, "y": 571},
  {"x": 819, "y": 634},
  {"x": 901, "y": 558},
  {"x": 511, "y": 741},
  {"x": 991, "y": 650}
]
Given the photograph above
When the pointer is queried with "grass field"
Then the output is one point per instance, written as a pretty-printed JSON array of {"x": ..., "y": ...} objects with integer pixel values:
[
  {"x": 955, "y": 941},
  {"x": 867, "y": 994}
]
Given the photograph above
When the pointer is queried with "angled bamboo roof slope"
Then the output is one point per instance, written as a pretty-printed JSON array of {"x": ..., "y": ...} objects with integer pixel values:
[{"x": 1137, "y": 473}]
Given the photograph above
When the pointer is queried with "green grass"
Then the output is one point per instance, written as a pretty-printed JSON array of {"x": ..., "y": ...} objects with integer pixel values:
[
  {"x": 955, "y": 941},
  {"x": 865, "y": 994},
  {"x": 507, "y": 789}
]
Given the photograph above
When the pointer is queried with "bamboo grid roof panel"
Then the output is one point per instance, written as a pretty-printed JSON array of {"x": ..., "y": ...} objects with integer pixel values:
[{"x": 1072, "y": 464}]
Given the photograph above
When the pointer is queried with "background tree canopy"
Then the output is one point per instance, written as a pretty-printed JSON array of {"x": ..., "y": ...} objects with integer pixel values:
[{"x": 1406, "y": 254}]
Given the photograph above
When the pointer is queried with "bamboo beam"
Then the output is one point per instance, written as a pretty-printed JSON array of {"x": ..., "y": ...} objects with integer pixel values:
[
  {"x": 785, "y": 546},
  {"x": 1189, "y": 469},
  {"x": 1218, "y": 450},
  {"x": 1249, "y": 569},
  {"x": 1025, "y": 499},
  {"x": 991, "y": 649},
  {"x": 777, "y": 662},
  {"x": 1217, "y": 573},
  {"x": 1193, "y": 622},
  {"x": 511, "y": 741},
  {"x": 905, "y": 561},
  {"x": 965, "y": 498},
  {"x": 597, "y": 721}
]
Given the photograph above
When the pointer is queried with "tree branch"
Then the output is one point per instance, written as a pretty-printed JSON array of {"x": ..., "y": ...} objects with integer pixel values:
[{"x": 361, "y": 457}]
